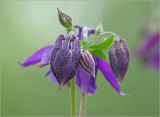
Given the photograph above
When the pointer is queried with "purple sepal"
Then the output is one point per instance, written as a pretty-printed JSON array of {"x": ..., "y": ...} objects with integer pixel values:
[
  {"x": 37, "y": 57},
  {"x": 149, "y": 43},
  {"x": 85, "y": 82},
  {"x": 51, "y": 75},
  {"x": 148, "y": 51},
  {"x": 84, "y": 32},
  {"x": 106, "y": 70}
]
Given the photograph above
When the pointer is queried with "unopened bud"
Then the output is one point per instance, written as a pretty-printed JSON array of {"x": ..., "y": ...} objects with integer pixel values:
[
  {"x": 119, "y": 58},
  {"x": 99, "y": 29},
  {"x": 64, "y": 19},
  {"x": 87, "y": 62}
]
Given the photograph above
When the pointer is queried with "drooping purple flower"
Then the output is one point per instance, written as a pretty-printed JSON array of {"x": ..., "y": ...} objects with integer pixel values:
[
  {"x": 119, "y": 58},
  {"x": 149, "y": 52},
  {"x": 90, "y": 87},
  {"x": 65, "y": 59}
]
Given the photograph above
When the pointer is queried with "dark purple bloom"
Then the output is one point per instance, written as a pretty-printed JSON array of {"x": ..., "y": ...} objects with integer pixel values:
[
  {"x": 149, "y": 52},
  {"x": 119, "y": 58},
  {"x": 63, "y": 58}
]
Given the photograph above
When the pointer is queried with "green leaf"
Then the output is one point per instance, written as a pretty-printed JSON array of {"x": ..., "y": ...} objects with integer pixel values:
[
  {"x": 100, "y": 53},
  {"x": 83, "y": 42},
  {"x": 105, "y": 44}
]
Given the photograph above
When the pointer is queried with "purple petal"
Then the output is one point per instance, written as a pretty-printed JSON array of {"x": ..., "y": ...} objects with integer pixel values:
[
  {"x": 108, "y": 74},
  {"x": 154, "y": 61},
  {"x": 91, "y": 31},
  {"x": 78, "y": 26},
  {"x": 150, "y": 42},
  {"x": 85, "y": 82},
  {"x": 148, "y": 51},
  {"x": 84, "y": 32},
  {"x": 53, "y": 78},
  {"x": 37, "y": 56},
  {"x": 45, "y": 59}
]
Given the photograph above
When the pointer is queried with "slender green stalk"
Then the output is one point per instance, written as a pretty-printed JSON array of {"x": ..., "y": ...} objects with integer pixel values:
[
  {"x": 82, "y": 105},
  {"x": 73, "y": 98},
  {"x": 108, "y": 33}
]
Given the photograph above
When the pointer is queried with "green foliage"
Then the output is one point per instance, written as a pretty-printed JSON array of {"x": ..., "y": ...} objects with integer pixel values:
[
  {"x": 105, "y": 44},
  {"x": 98, "y": 49},
  {"x": 100, "y": 53},
  {"x": 83, "y": 43}
]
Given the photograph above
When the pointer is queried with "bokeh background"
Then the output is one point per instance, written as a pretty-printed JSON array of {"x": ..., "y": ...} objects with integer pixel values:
[{"x": 26, "y": 26}]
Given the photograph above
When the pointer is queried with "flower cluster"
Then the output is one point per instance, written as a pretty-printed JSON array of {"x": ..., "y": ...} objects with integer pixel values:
[{"x": 75, "y": 55}]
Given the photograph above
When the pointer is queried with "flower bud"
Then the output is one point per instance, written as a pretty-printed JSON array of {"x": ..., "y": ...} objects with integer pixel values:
[
  {"x": 87, "y": 62},
  {"x": 65, "y": 59},
  {"x": 119, "y": 58},
  {"x": 99, "y": 29},
  {"x": 64, "y": 19}
]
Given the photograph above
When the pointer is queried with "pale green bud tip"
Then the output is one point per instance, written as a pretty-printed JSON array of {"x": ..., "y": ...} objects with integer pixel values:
[
  {"x": 64, "y": 19},
  {"x": 99, "y": 29}
]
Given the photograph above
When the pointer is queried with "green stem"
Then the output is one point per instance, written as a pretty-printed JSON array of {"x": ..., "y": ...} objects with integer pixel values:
[
  {"x": 108, "y": 33},
  {"x": 82, "y": 105},
  {"x": 73, "y": 98},
  {"x": 69, "y": 29}
]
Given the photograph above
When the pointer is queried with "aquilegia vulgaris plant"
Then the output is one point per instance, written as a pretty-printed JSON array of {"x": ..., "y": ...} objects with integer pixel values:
[{"x": 75, "y": 59}]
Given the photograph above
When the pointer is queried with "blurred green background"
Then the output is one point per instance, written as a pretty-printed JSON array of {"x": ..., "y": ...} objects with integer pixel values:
[{"x": 26, "y": 26}]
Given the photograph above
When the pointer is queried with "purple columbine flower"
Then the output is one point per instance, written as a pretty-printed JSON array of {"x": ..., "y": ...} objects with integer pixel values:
[
  {"x": 74, "y": 56},
  {"x": 149, "y": 52},
  {"x": 65, "y": 57},
  {"x": 64, "y": 53}
]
